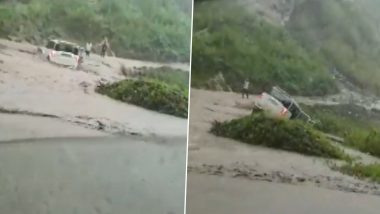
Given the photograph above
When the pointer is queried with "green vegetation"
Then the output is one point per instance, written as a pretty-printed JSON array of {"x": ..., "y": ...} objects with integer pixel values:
[
  {"x": 368, "y": 141},
  {"x": 151, "y": 94},
  {"x": 358, "y": 128},
  {"x": 342, "y": 119},
  {"x": 353, "y": 123},
  {"x": 345, "y": 34},
  {"x": 371, "y": 171},
  {"x": 242, "y": 45},
  {"x": 156, "y": 30},
  {"x": 294, "y": 136}
]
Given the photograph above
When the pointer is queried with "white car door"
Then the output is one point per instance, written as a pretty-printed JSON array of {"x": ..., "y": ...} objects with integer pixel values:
[{"x": 63, "y": 58}]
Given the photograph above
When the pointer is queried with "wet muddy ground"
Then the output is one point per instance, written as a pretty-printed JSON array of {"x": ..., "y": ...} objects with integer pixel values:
[
  {"x": 66, "y": 149},
  {"x": 226, "y": 174},
  {"x": 225, "y": 195},
  {"x": 31, "y": 86},
  {"x": 100, "y": 175}
]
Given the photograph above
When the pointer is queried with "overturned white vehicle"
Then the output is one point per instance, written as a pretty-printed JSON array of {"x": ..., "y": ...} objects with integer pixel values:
[{"x": 279, "y": 104}]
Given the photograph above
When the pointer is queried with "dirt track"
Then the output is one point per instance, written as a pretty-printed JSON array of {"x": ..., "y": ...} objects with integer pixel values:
[{"x": 238, "y": 162}]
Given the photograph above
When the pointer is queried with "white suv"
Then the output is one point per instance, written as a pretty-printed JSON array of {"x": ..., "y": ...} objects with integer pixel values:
[
  {"x": 61, "y": 53},
  {"x": 280, "y": 104},
  {"x": 271, "y": 106}
]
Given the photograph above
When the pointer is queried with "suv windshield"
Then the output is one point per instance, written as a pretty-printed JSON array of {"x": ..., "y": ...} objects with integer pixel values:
[{"x": 66, "y": 48}]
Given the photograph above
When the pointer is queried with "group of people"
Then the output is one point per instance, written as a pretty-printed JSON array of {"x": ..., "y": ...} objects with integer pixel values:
[{"x": 104, "y": 47}]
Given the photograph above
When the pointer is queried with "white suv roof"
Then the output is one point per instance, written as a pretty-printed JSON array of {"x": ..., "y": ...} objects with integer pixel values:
[{"x": 64, "y": 42}]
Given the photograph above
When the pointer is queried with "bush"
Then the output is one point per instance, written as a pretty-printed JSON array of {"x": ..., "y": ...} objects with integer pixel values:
[
  {"x": 294, "y": 136},
  {"x": 242, "y": 45},
  {"x": 150, "y": 94}
]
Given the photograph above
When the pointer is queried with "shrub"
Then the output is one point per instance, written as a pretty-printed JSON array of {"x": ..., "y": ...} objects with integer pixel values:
[
  {"x": 294, "y": 136},
  {"x": 150, "y": 94}
]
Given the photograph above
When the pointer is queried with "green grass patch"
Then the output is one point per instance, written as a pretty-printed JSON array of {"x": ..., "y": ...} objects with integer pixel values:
[
  {"x": 257, "y": 129},
  {"x": 341, "y": 119},
  {"x": 240, "y": 44},
  {"x": 371, "y": 171},
  {"x": 368, "y": 141},
  {"x": 151, "y": 94},
  {"x": 353, "y": 123}
]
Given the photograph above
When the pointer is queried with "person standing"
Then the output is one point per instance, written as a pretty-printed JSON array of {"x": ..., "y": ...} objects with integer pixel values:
[
  {"x": 104, "y": 47},
  {"x": 81, "y": 53},
  {"x": 88, "y": 48},
  {"x": 245, "y": 89}
]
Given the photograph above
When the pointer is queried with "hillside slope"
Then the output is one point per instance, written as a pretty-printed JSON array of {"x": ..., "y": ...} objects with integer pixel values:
[
  {"x": 149, "y": 30},
  {"x": 241, "y": 44},
  {"x": 318, "y": 36},
  {"x": 345, "y": 33}
]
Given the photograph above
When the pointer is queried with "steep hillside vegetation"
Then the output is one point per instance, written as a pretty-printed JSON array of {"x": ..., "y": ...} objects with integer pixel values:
[
  {"x": 345, "y": 33},
  {"x": 240, "y": 44},
  {"x": 151, "y": 29}
]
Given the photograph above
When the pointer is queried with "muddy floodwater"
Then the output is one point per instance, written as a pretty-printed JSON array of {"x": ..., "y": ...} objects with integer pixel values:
[
  {"x": 226, "y": 176},
  {"x": 99, "y": 175},
  {"x": 32, "y": 87},
  {"x": 221, "y": 195},
  {"x": 82, "y": 165}
]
